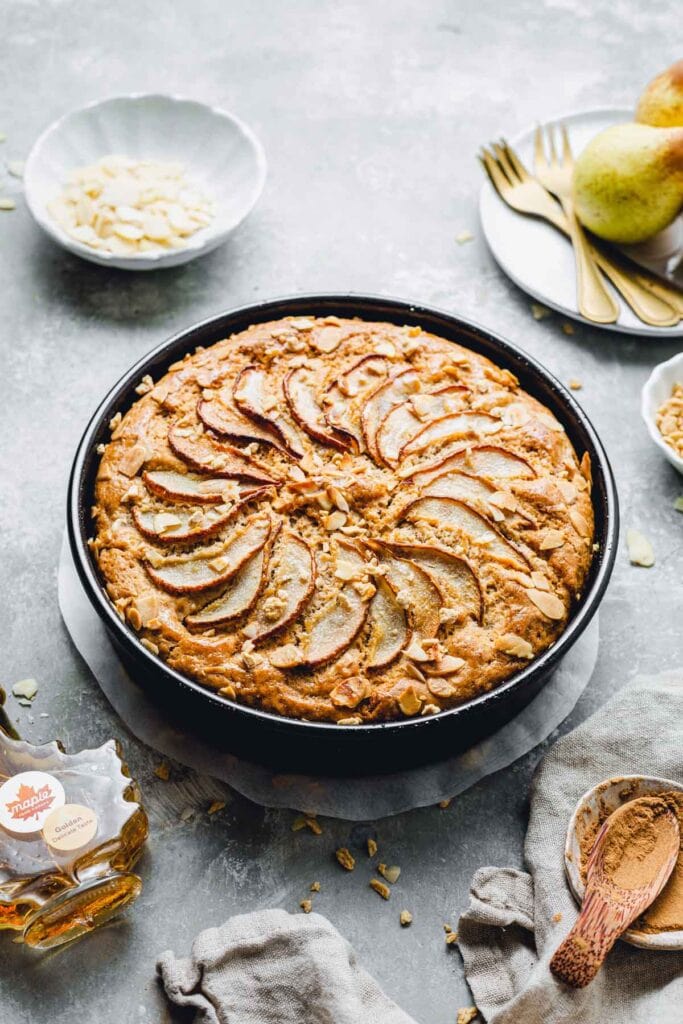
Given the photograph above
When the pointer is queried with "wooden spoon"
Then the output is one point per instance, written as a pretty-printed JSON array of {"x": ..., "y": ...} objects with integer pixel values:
[{"x": 608, "y": 908}]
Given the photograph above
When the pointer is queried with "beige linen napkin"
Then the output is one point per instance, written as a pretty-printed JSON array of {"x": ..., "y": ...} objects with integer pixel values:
[
  {"x": 271, "y": 967},
  {"x": 509, "y": 932}
]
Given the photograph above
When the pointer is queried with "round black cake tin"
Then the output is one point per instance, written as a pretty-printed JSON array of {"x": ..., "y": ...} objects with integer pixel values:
[{"x": 287, "y": 744}]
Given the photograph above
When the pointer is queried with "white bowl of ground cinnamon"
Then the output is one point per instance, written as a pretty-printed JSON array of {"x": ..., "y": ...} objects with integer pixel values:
[
  {"x": 662, "y": 409},
  {"x": 661, "y": 925}
]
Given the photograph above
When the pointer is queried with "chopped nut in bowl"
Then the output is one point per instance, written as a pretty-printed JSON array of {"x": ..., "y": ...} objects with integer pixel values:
[
  {"x": 143, "y": 181},
  {"x": 662, "y": 409}
]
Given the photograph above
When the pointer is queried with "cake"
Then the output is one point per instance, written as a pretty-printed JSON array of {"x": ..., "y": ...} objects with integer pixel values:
[{"x": 337, "y": 520}]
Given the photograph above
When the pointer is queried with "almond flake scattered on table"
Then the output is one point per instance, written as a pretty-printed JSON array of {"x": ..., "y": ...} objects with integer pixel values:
[
  {"x": 466, "y": 1014},
  {"x": 345, "y": 858},
  {"x": 678, "y": 503},
  {"x": 575, "y": 384},
  {"x": 16, "y": 168},
  {"x": 26, "y": 688},
  {"x": 640, "y": 551},
  {"x": 464, "y": 236},
  {"x": 216, "y": 806},
  {"x": 7, "y": 204},
  {"x": 381, "y": 888}
]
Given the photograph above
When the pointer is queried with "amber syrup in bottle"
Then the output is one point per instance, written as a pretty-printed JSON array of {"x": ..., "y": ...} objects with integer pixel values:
[{"x": 71, "y": 828}]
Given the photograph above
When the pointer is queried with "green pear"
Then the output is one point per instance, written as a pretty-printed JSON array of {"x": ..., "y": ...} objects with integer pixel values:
[
  {"x": 628, "y": 182},
  {"x": 661, "y": 104}
]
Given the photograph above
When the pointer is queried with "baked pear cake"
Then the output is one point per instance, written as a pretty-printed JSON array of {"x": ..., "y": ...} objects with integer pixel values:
[{"x": 342, "y": 521}]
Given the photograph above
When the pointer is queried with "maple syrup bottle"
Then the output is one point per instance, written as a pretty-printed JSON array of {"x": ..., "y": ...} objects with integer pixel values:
[{"x": 71, "y": 828}]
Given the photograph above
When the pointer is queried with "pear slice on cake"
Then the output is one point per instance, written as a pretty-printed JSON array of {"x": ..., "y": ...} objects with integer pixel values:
[
  {"x": 343, "y": 398},
  {"x": 388, "y": 630},
  {"x": 335, "y": 626},
  {"x": 291, "y": 585},
  {"x": 454, "y": 577},
  {"x": 415, "y": 586},
  {"x": 204, "y": 454},
  {"x": 254, "y": 397},
  {"x": 209, "y": 567},
  {"x": 191, "y": 487},
  {"x": 241, "y": 595},
  {"x": 482, "y": 460},
  {"x": 308, "y": 413},
  {"x": 227, "y": 422},
  {"x": 402, "y": 381},
  {"x": 448, "y": 428},
  {"x": 454, "y": 515},
  {"x": 405, "y": 420},
  {"x": 180, "y": 525}
]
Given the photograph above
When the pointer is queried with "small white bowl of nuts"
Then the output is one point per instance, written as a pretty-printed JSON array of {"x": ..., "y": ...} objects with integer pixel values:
[
  {"x": 662, "y": 409},
  {"x": 144, "y": 181}
]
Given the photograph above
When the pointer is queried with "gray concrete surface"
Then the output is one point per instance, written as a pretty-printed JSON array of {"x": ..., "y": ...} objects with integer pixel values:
[{"x": 371, "y": 114}]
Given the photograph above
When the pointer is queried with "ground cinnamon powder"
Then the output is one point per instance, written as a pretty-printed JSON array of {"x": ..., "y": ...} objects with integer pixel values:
[{"x": 634, "y": 850}]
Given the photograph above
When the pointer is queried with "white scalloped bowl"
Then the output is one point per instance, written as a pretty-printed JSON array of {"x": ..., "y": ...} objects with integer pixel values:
[
  {"x": 656, "y": 390},
  {"x": 219, "y": 153}
]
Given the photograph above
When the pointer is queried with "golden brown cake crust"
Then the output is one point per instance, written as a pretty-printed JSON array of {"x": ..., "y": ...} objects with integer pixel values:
[{"x": 341, "y": 520}]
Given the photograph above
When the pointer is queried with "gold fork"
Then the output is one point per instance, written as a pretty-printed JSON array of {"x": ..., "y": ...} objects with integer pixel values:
[
  {"x": 651, "y": 300},
  {"x": 555, "y": 174}
]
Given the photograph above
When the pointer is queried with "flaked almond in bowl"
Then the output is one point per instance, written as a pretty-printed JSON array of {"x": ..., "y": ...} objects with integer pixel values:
[
  {"x": 131, "y": 207},
  {"x": 144, "y": 181},
  {"x": 662, "y": 409}
]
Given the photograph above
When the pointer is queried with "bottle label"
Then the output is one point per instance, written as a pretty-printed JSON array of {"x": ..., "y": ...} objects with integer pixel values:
[
  {"x": 70, "y": 827},
  {"x": 27, "y": 799}
]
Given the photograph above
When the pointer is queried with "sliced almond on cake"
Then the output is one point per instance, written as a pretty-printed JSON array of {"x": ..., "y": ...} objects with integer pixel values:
[
  {"x": 189, "y": 574},
  {"x": 415, "y": 587},
  {"x": 388, "y": 626},
  {"x": 449, "y": 427},
  {"x": 335, "y": 626},
  {"x": 291, "y": 585},
  {"x": 201, "y": 452},
  {"x": 481, "y": 460},
  {"x": 452, "y": 514},
  {"x": 308, "y": 413},
  {"x": 227, "y": 422},
  {"x": 254, "y": 397},
  {"x": 241, "y": 595},
  {"x": 452, "y": 574}
]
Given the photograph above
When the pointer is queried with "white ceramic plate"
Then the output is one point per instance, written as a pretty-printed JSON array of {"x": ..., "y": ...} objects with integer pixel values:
[
  {"x": 219, "y": 153},
  {"x": 656, "y": 390},
  {"x": 607, "y": 796},
  {"x": 540, "y": 260}
]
